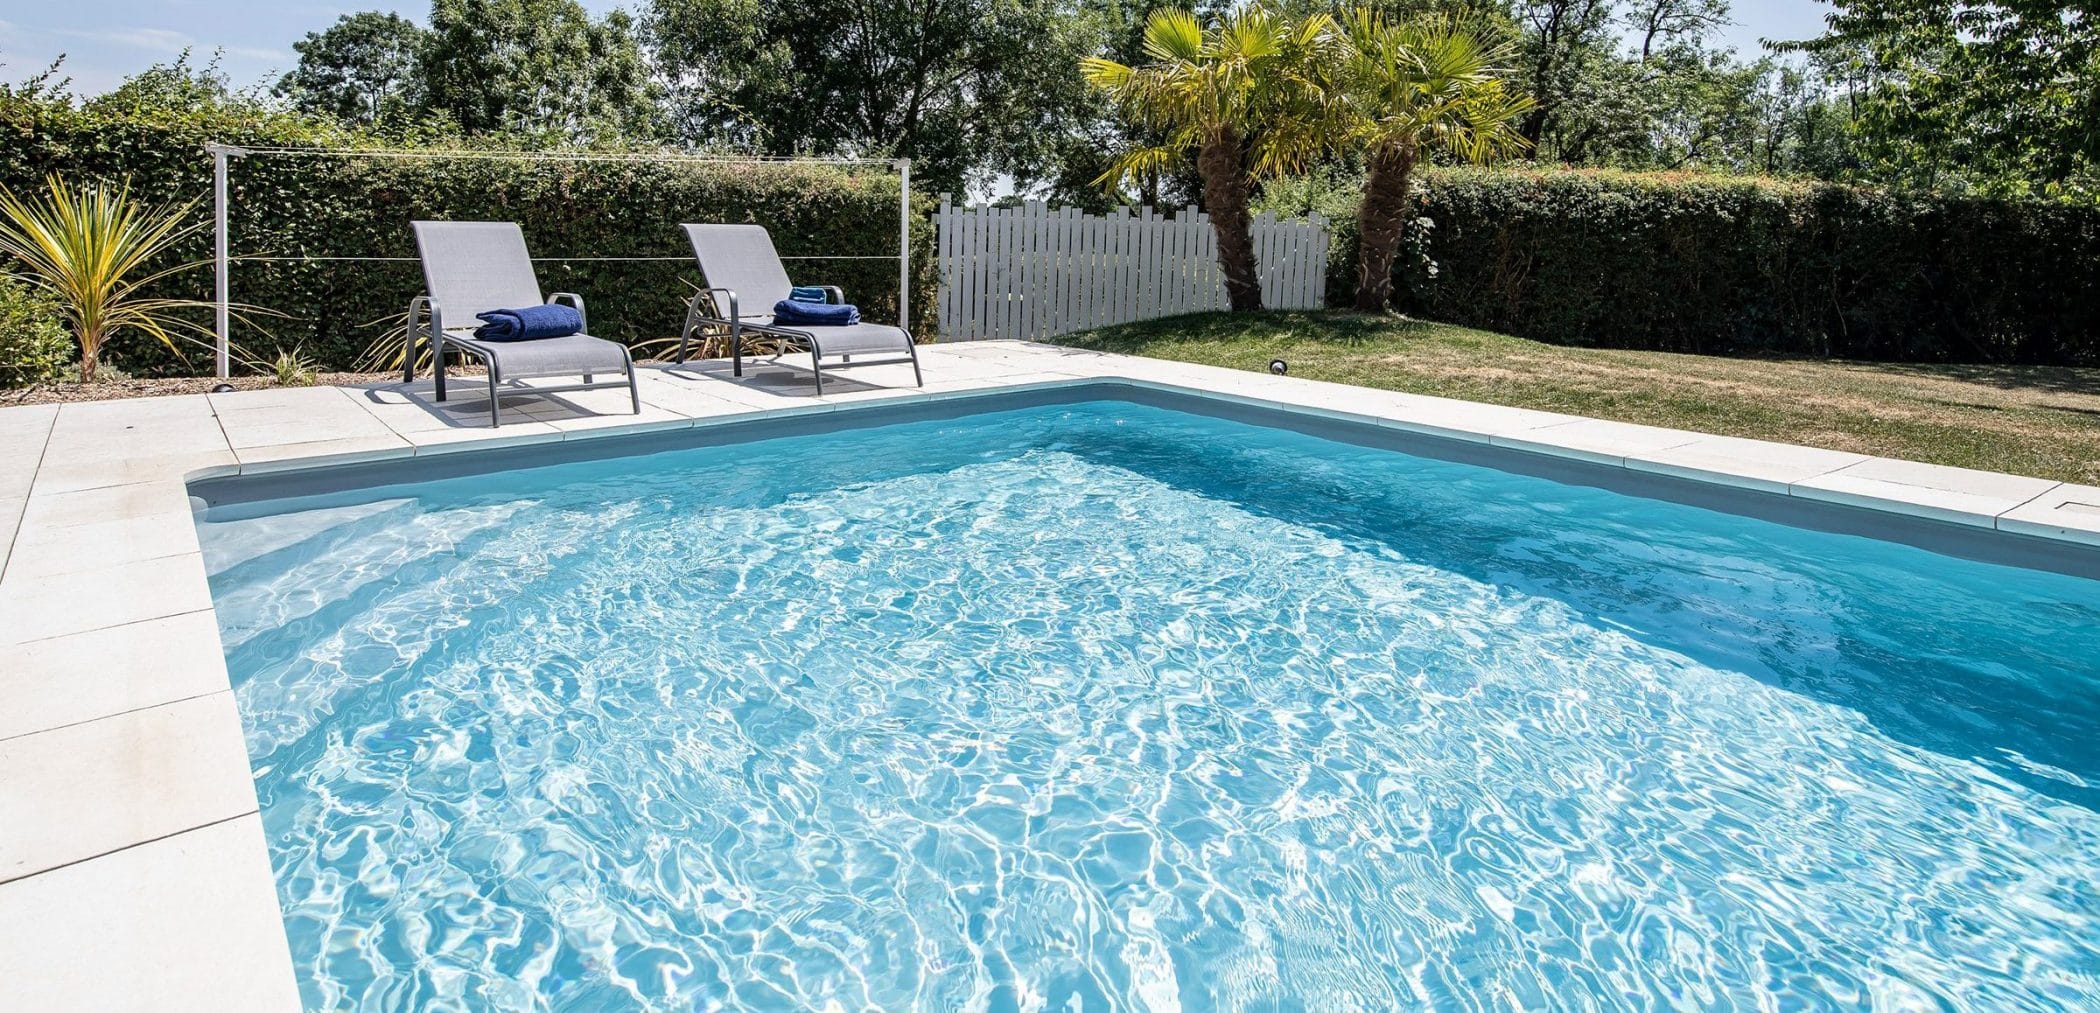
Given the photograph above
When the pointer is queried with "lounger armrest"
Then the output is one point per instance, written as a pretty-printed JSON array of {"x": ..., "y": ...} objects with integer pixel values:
[
  {"x": 574, "y": 300},
  {"x": 729, "y": 313},
  {"x": 417, "y": 306},
  {"x": 834, "y": 294}
]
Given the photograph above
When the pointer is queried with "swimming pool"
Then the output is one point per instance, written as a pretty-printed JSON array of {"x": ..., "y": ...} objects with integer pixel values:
[{"x": 1114, "y": 703}]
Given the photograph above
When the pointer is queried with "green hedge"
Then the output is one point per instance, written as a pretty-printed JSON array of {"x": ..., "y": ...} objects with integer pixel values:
[
  {"x": 361, "y": 207},
  {"x": 1741, "y": 266}
]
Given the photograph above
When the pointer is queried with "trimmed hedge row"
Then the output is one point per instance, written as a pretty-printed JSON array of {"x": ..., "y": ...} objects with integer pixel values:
[
  {"x": 1739, "y": 266},
  {"x": 289, "y": 207}
]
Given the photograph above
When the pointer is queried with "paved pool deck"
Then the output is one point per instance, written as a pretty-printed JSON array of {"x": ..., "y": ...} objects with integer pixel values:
[{"x": 133, "y": 867}]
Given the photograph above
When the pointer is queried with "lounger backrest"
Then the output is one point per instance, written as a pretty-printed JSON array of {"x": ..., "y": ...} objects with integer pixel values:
[
  {"x": 742, "y": 258},
  {"x": 474, "y": 267}
]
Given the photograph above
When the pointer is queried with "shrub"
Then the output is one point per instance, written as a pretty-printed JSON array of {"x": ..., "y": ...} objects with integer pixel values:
[
  {"x": 34, "y": 346},
  {"x": 1735, "y": 265},
  {"x": 359, "y": 208}
]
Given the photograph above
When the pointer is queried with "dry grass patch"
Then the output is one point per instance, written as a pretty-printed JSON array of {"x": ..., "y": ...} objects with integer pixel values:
[{"x": 2032, "y": 420}]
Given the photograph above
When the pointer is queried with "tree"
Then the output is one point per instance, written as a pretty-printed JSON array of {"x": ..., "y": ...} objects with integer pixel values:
[
  {"x": 1248, "y": 95},
  {"x": 2001, "y": 93},
  {"x": 362, "y": 70},
  {"x": 1563, "y": 41},
  {"x": 965, "y": 89},
  {"x": 1411, "y": 89},
  {"x": 536, "y": 67},
  {"x": 1658, "y": 23}
]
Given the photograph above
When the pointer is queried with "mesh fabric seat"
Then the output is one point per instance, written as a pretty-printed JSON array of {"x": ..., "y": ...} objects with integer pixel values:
[
  {"x": 745, "y": 279},
  {"x": 471, "y": 268}
]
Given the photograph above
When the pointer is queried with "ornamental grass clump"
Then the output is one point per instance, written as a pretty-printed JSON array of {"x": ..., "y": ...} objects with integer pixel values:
[{"x": 91, "y": 249}]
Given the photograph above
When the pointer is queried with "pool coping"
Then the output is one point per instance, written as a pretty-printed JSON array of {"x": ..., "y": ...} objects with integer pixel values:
[{"x": 127, "y": 805}]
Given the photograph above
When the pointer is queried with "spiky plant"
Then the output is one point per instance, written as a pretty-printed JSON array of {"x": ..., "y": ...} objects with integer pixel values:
[
  {"x": 1410, "y": 89},
  {"x": 90, "y": 248},
  {"x": 1248, "y": 94}
]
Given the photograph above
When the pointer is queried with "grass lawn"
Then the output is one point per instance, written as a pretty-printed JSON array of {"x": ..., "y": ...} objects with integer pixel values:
[{"x": 2028, "y": 420}]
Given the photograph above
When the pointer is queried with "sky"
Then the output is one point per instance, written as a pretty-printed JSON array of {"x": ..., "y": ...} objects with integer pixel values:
[{"x": 107, "y": 40}]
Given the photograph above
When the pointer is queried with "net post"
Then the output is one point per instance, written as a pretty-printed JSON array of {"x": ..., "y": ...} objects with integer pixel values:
[
  {"x": 222, "y": 265},
  {"x": 904, "y": 243}
]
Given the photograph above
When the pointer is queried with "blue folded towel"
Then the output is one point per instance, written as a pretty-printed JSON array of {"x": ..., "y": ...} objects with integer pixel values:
[
  {"x": 809, "y": 293},
  {"x": 552, "y": 320},
  {"x": 810, "y": 314}
]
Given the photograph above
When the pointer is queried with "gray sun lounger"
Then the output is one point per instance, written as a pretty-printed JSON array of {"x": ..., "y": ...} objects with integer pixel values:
[
  {"x": 745, "y": 279},
  {"x": 474, "y": 267}
]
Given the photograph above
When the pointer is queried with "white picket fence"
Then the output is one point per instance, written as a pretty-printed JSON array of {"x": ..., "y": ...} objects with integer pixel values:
[{"x": 1033, "y": 272}]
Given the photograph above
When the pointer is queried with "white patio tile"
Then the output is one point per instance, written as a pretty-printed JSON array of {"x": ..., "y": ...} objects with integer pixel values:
[
  {"x": 37, "y": 608},
  {"x": 295, "y": 456},
  {"x": 1471, "y": 421},
  {"x": 10, "y": 519},
  {"x": 74, "y": 792},
  {"x": 1743, "y": 463},
  {"x": 275, "y": 397},
  {"x": 773, "y": 390},
  {"x": 24, "y": 430},
  {"x": 335, "y": 418},
  {"x": 2070, "y": 512},
  {"x": 62, "y": 475},
  {"x": 110, "y": 503},
  {"x": 449, "y": 440},
  {"x": 67, "y": 680},
  {"x": 1015, "y": 382},
  {"x": 16, "y": 420},
  {"x": 125, "y": 411},
  {"x": 690, "y": 397},
  {"x": 188, "y": 922},
  {"x": 46, "y": 550},
  {"x": 1925, "y": 490},
  {"x": 1597, "y": 440},
  {"x": 409, "y": 408},
  {"x": 591, "y": 413},
  {"x": 113, "y": 438}
]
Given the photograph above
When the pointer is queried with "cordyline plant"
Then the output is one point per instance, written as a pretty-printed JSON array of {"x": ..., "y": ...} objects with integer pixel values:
[
  {"x": 1408, "y": 90},
  {"x": 88, "y": 247},
  {"x": 1247, "y": 94}
]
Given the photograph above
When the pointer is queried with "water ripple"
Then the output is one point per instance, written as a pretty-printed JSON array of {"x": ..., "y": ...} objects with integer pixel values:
[{"x": 1110, "y": 706}]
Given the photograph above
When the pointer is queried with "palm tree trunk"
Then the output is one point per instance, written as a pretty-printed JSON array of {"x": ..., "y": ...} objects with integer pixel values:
[
  {"x": 1225, "y": 191},
  {"x": 1380, "y": 217}
]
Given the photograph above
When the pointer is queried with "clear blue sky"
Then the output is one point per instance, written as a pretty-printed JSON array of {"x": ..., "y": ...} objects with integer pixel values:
[{"x": 107, "y": 40}]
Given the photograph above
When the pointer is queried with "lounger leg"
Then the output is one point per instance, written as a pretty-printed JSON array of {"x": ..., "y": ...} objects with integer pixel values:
[
  {"x": 437, "y": 360},
  {"x": 634, "y": 390},
  {"x": 916, "y": 378},
  {"x": 816, "y": 365},
  {"x": 736, "y": 351},
  {"x": 495, "y": 405}
]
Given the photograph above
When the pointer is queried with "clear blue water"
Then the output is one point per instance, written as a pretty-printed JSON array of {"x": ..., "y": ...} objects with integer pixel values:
[{"x": 1112, "y": 705}]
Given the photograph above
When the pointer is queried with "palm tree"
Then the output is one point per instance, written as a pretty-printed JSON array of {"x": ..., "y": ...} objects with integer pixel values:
[
  {"x": 1246, "y": 94},
  {"x": 86, "y": 247},
  {"x": 1411, "y": 89}
]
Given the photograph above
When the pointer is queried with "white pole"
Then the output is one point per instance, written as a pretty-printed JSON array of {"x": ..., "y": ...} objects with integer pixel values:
[
  {"x": 904, "y": 243},
  {"x": 219, "y": 259}
]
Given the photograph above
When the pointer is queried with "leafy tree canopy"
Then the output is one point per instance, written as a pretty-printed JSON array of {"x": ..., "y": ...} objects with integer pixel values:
[
  {"x": 362, "y": 70},
  {"x": 2003, "y": 94},
  {"x": 965, "y": 88},
  {"x": 537, "y": 68}
]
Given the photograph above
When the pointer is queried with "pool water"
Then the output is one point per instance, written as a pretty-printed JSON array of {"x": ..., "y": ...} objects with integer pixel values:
[{"x": 1117, "y": 706}]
